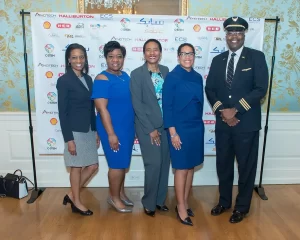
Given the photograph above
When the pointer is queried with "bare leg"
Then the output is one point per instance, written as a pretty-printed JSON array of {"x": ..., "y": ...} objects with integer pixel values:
[
  {"x": 180, "y": 183},
  {"x": 86, "y": 173},
  {"x": 116, "y": 178},
  {"x": 122, "y": 192},
  {"x": 188, "y": 186},
  {"x": 75, "y": 178}
]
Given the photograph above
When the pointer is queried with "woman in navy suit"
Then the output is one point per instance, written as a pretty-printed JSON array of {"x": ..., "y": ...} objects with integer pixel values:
[
  {"x": 78, "y": 124},
  {"x": 182, "y": 112}
]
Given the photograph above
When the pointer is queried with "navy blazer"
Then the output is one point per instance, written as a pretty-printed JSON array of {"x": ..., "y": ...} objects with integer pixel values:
[
  {"x": 249, "y": 86},
  {"x": 76, "y": 109}
]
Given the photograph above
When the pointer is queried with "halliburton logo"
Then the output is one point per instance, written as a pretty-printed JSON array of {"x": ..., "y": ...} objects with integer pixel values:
[
  {"x": 218, "y": 19},
  {"x": 75, "y": 16}
]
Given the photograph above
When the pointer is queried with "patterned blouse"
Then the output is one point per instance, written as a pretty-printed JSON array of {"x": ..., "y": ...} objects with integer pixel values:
[{"x": 158, "y": 81}]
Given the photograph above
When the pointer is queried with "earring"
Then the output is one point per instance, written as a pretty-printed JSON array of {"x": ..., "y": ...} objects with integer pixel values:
[{"x": 69, "y": 64}]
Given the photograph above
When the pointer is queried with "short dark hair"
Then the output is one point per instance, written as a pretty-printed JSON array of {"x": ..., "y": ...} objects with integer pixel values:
[
  {"x": 69, "y": 49},
  {"x": 111, "y": 46},
  {"x": 152, "y": 40},
  {"x": 183, "y": 45}
]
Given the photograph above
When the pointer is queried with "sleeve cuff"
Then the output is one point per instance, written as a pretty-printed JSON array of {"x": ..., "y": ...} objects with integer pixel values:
[
  {"x": 216, "y": 106},
  {"x": 243, "y": 106}
]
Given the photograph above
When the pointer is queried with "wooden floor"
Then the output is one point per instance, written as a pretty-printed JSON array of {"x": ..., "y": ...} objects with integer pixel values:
[{"x": 47, "y": 218}]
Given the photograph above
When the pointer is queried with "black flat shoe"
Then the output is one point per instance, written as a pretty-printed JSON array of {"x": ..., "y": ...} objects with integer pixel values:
[
  {"x": 163, "y": 208},
  {"x": 237, "y": 217},
  {"x": 67, "y": 200},
  {"x": 186, "y": 221},
  {"x": 190, "y": 212},
  {"x": 149, "y": 212},
  {"x": 218, "y": 209},
  {"x": 83, "y": 213}
]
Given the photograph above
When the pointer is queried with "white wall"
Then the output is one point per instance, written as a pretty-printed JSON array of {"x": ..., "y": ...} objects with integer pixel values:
[{"x": 282, "y": 161}]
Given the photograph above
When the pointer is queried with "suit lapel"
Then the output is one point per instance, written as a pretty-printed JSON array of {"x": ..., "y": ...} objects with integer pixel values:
[
  {"x": 148, "y": 79},
  {"x": 78, "y": 81},
  {"x": 224, "y": 66},
  {"x": 240, "y": 65},
  {"x": 89, "y": 83}
]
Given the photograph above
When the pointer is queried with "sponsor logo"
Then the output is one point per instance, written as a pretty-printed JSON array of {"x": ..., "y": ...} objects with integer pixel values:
[
  {"x": 49, "y": 74},
  {"x": 50, "y": 65},
  {"x": 121, "y": 39},
  {"x": 74, "y": 36},
  {"x": 197, "y": 28},
  {"x": 49, "y": 112},
  {"x": 212, "y": 130},
  {"x": 106, "y": 16},
  {"x": 97, "y": 26},
  {"x": 80, "y": 26},
  {"x": 210, "y": 141},
  {"x": 53, "y": 35},
  {"x": 209, "y": 121},
  {"x": 75, "y": 16},
  {"x": 51, "y": 142},
  {"x": 154, "y": 30},
  {"x": 218, "y": 19},
  {"x": 219, "y": 39},
  {"x": 180, "y": 39},
  {"x": 92, "y": 66},
  {"x": 218, "y": 50},
  {"x": 101, "y": 50},
  {"x": 171, "y": 49},
  {"x": 137, "y": 49},
  {"x": 47, "y": 25},
  {"x": 151, "y": 21},
  {"x": 178, "y": 23},
  {"x": 60, "y": 74},
  {"x": 145, "y": 39},
  {"x": 196, "y": 18},
  {"x": 209, "y": 113},
  {"x": 63, "y": 25},
  {"x": 202, "y": 38},
  {"x": 52, "y": 96},
  {"x": 103, "y": 65},
  {"x": 199, "y": 67},
  {"x": 198, "y": 50},
  {"x": 49, "y": 49},
  {"x": 213, "y": 28},
  {"x": 86, "y": 48},
  {"x": 125, "y": 23},
  {"x": 254, "y": 19},
  {"x": 53, "y": 121},
  {"x": 47, "y": 15}
]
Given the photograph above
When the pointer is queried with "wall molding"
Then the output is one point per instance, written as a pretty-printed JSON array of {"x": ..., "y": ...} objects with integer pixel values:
[{"x": 282, "y": 165}]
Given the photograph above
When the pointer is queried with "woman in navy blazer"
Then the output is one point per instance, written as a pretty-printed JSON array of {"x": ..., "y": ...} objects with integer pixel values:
[
  {"x": 78, "y": 124},
  {"x": 182, "y": 112}
]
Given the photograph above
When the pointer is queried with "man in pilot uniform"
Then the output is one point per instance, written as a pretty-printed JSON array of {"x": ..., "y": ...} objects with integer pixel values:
[{"x": 236, "y": 83}]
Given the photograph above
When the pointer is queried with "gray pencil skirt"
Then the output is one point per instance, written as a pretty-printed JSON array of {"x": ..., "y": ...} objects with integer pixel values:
[{"x": 86, "y": 148}]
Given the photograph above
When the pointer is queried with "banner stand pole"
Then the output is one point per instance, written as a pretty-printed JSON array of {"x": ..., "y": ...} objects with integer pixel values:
[{"x": 36, "y": 192}]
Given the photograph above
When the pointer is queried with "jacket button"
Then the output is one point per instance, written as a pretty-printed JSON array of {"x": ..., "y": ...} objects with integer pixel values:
[{"x": 229, "y": 96}]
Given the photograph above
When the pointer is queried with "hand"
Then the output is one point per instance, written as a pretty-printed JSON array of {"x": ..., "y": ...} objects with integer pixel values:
[
  {"x": 176, "y": 142},
  {"x": 232, "y": 122},
  {"x": 228, "y": 113},
  {"x": 155, "y": 137},
  {"x": 114, "y": 142},
  {"x": 72, "y": 148},
  {"x": 97, "y": 140}
]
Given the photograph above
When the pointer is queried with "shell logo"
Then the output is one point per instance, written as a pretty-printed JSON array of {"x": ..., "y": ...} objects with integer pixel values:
[
  {"x": 49, "y": 74},
  {"x": 197, "y": 28},
  {"x": 53, "y": 121},
  {"x": 47, "y": 25}
]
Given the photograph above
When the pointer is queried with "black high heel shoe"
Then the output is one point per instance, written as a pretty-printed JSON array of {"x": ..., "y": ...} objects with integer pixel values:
[
  {"x": 149, "y": 212},
  {"x": 186, "y": 221},
  {"x": 67, "y": 200},
  {"x": 190, "y": 212},
  {"x": 83, "y": 213}
]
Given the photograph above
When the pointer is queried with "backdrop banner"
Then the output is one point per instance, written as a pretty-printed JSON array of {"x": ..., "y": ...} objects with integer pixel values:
[{"x": 53, "y": 32}]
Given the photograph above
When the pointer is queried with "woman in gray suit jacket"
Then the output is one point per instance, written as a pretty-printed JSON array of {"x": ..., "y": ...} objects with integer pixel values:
[{"x": 146, "y": 90}]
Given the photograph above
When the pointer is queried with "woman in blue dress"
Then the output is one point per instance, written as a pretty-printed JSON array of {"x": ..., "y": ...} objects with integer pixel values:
[
  {"x": 182, "y": 112},
  {"x": 115, "y": 122}
]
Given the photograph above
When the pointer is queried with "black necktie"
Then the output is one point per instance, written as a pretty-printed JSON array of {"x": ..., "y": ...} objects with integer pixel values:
[{"x": 230, "y": 71}]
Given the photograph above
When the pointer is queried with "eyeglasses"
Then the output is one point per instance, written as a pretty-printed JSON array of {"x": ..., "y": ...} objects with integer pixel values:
[
  {"x": 235, "y": 34},
  {"x": 186, "y": 54}
]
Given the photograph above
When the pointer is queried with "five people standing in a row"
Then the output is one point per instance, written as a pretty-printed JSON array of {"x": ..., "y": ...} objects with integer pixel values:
[{"x": 164, "y": 109}]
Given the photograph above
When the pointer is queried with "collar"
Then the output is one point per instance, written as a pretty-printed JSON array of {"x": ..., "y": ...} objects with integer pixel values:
[{"x": 238, "y": 52}]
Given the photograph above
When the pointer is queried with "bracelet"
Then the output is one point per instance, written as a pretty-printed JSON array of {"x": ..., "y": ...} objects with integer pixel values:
[{"x": 174, "y": 135}]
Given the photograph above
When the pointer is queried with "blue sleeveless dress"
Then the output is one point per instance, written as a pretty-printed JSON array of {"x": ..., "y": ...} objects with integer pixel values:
[{"x": 120, "y": 108}]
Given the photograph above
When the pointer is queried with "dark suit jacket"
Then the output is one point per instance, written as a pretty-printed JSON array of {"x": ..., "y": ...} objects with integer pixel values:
[
  {"x": 147, "y": 111},
  {"x": 249, "y": 86},
  {"x": 76, "y": 109}
]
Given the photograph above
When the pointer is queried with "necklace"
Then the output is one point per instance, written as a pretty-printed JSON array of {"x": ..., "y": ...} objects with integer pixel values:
[{"x": 116, "y": 75}]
